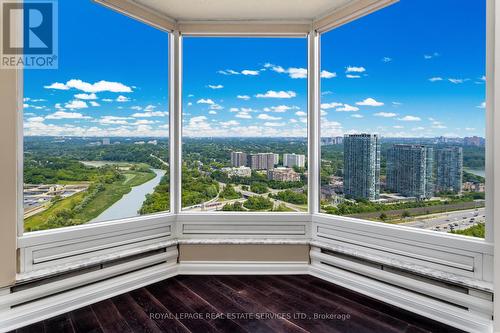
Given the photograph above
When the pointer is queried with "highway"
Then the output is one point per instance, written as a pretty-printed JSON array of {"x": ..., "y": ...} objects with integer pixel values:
[{"x": 442, "y": 221}]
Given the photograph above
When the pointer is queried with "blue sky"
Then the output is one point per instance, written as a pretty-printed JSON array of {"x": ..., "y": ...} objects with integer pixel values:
[{"x": 413, "y": 69}]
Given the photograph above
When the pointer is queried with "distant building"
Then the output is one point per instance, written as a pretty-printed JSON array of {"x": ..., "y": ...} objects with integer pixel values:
[
  {"x": 139, "y": 143},
  {"x": 449, "y": 169},
  {"x": 261, "y": 161},
  {"x": 362, "y": 166},
  {"x": 474, "y": 141},
  {"x": 106, "y": 141},
  {"x": 473, "y": 187},
  {"x": 291, "y": 160},
  {"x": 410, "y": 171},
  {"x": 238, "y": 159},
  {"x": 283, "y": 175},
  {"x": 241, "y": 171},
  {"x": 336, "y": 140},
  {"x": 153, "y": 142}
]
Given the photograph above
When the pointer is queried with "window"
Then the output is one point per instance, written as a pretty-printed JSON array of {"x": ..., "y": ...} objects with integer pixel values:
[
  {"x": 96, "y": 129},
  {"x": 244, "y": 124},
  {"x": 403, "y": 123}
]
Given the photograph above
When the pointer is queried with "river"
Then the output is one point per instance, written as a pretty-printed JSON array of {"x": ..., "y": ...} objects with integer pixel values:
[
  {"x": 130, "y": 203},
  {"x": 477, "y": 172}
]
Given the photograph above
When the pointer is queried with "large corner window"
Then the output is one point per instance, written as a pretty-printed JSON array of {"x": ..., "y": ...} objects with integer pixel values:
[
  {"x": 403, "y": 123},
  {"x": 244, "y": 132},
  {"x": 96, "y": 129}
]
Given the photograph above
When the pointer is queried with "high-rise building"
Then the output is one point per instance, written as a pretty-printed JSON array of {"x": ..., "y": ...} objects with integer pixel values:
[
  {"x": 410, "y": 170},
  {"x": 449, "y": 166},
  {"x": 362, "y": 166},
  {"x": 238, "y": 159},
  {"x": 474, "y": 141},
  {"x": 261, "y": 161},
  {"x": 106, "y": 141},
  {"x": 291, "y": 160}
]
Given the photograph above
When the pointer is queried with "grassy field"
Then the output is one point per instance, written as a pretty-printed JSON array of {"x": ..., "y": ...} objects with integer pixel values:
[{"x": 102, "y": 201}]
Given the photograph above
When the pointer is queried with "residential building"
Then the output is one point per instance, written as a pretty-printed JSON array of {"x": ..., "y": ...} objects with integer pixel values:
[
  {"x": 474, "y": 141},
  {"x": 238, "y": 159},
  {"x": 241, "y": 171},
  {"x": 291, "y": 160},
  {"x": 362, "y": 166},
  {"x": 410, "y": 170},
  {"x": 261, "y": 161},
  {"x": 449, "y": 169},
  {"x": 283, "y": 175},
  {"x": 106, "y": 141}
]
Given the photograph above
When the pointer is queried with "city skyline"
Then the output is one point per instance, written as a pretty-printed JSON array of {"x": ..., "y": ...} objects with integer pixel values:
[{"x": 251, "y": 87}]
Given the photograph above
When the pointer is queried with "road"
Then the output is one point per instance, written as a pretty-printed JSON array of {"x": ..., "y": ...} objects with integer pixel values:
[{"x": 441, "y": 222}]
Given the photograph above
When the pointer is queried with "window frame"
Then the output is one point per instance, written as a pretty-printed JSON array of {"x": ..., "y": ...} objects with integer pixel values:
[{"x": 309, "y": 221}]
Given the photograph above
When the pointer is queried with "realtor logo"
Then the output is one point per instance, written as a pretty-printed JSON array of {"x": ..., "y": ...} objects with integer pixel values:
[{"x": 29, "y": 34}]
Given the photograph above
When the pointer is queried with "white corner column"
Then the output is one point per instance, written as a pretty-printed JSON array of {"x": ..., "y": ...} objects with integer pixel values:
[
  {"x": 313, "y": 128},
  {"x": 175, "y": 112}
]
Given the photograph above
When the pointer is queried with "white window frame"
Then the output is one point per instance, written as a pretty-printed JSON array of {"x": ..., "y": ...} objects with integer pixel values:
[{"x": 304, "y": 226}]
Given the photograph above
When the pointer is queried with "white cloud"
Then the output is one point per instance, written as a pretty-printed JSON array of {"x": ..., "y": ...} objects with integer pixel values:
[
  {"x": 278, "y": 109},
  {"x": 482, "y": 105},
  {"x": 436, "y": 78},
  {"x": 398, "y": 127},
  {"x": 86, "y": 96},
  {"x": 218, "y": 86},
  {"x": 113, "y": 120},
  {"x": 243, "y": 115},
  {"x": 66, "y": 115},
  {"x": 229, "y": 123},
  {"x": 205, "y": 101},
  {"x": 36, "y": 119},
  {"x": 410, "y": 118},
  {"x": 249, "y": 72},
  {"x": 273, "y": 124},
  {"x": 357, "y": 116},
  {"x": 228, "y": 72},
  {"x": 122, "y": 99},
  {"x": 386, "y": 59},
  {"x": 385, "y": 114},
  {"x": 301, "y": 113},
  {"x": 327, "y": 75},
  {"x": 331, "y": 128},
  {"x": 76, "y": 104},
  {"x": 354, "y": 69},
  {"x": 277, "y": 94},
  {"x": 369, "y": 102},
  {"x": 107, "y": 100},
  {"x": 91, "y": 87},
  {"x": 94, "y": 103},
  {"x": 216, "y": 107},
  {"x": 149, "y": 114},
  {"x": 457, "y": 81},
  {"x": 212, "y": 112},
  {"x": 432, "y": 55},
  {"x": 347, "y": 108},
  {"x": 332, "y": 105},
  {"x": 297, "y": 73},
  {"x": 243, "y": 97},
  {"x": 264, "y": 116},
  {"x": 350, "y": 76}
]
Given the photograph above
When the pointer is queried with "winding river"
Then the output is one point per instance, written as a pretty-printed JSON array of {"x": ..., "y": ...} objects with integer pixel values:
[{"x": 130, "y": 203}]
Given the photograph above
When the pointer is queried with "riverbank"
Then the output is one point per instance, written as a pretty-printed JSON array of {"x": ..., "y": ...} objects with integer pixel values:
[{"x": 88, "y": 205}]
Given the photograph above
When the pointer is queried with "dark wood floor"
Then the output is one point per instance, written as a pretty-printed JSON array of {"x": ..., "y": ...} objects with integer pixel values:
[{"x": 233, "y": 303}]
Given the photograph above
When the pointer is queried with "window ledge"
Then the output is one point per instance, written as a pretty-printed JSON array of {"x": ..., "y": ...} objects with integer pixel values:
[
  {"x": 243, "y": 241},
  {"x": 407, "y": 266}
]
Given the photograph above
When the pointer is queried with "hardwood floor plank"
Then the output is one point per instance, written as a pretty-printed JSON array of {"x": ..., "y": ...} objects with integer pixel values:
[
  {"x": 176, "y": 306},
  {"x": 59, "y": 324},
  {"x": 199, "y": 305},
  {"x": 136, "y": 319},
  {"x": 109, "y": 317},
  {"x": 224, "y": 304},
  {"x": 34, "y": 328},
  {"x": 161, "y": 316},
  {"x": 84, "y": 320}
]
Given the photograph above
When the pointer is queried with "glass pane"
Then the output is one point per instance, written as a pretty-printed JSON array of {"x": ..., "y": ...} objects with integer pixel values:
[
  {"x": 245, "y": 124},
  {"x": 403, "y": 124},
  {"x": 96, "y": 129}
]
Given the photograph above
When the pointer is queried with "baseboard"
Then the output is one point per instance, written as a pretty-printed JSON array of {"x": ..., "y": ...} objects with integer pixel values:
[
  {"x": 242, "y": 268},
  {"x": 36, "y": 311},
  {"x": 419, "y": 304}
]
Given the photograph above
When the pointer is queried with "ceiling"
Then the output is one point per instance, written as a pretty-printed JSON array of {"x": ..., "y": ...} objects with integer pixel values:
[{"x": 239, "y": 10}]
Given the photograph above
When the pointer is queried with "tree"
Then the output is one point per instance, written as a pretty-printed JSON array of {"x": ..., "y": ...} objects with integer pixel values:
[
  {"x": 259, "y": 188},
  {"x": 405, "y": 214},
  {"x": 383, "y": 216}
]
